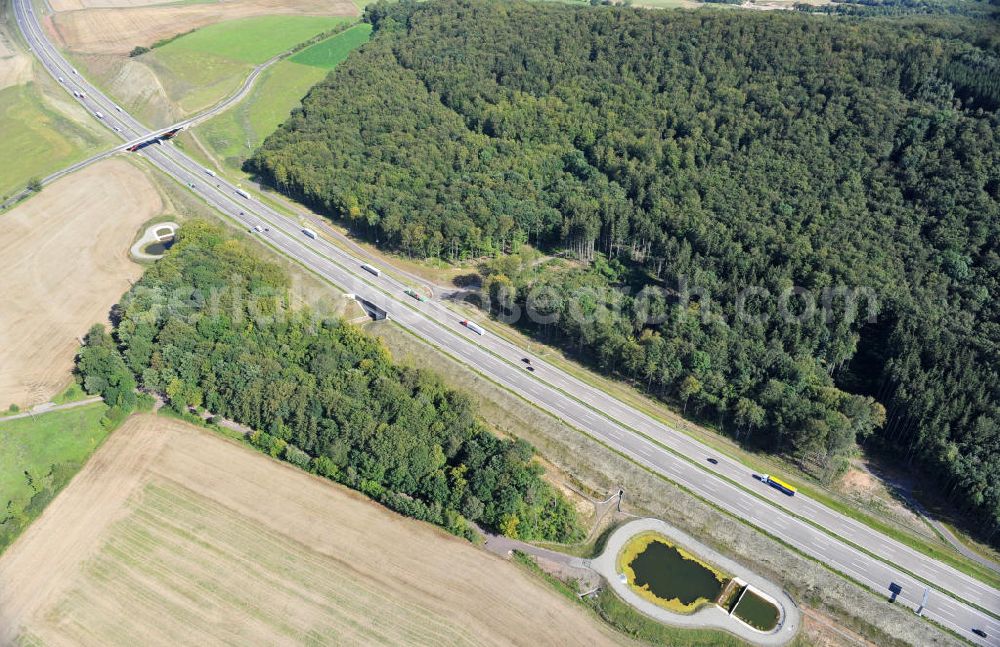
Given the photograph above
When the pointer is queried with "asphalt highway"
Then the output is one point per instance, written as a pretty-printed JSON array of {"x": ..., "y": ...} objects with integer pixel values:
[
  {"x": 194, "y": 120},
  {"x": 835, "y": 540}
]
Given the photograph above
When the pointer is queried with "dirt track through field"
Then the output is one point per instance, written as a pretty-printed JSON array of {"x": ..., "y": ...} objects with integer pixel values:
[
  {"x": 64, "y": 262},
  {"x": 173, "y": 535},
  {"x": 118, "y": 30}
]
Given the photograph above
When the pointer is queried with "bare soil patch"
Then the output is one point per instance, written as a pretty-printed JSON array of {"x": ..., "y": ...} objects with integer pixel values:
[
  {"x": 855, "y": 481},
  {"x": 15, "y": 69},
  {"x": 875, "y": 493},
  {"x": 64, "y": 262},
  {"x": 174, "y": 535},
  {"x": 134, "y": 85},
  {"x": 118, "y": 30},
  {"x": 15, "y": 65},
  {"x": 820, "y": 630}
]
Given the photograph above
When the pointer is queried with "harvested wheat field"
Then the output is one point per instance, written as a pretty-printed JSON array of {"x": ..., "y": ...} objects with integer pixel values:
[
  {"x": 64, "y": 256},
  {"x": 174, "y": 535},
  {"x": 118, "y": 30},
  {"x": 73, "y": 5}
]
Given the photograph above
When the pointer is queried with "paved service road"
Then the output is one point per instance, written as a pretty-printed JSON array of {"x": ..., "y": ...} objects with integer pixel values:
[
  {"x": 49, "y": 407},
  {"x": 831, "y": 538}
]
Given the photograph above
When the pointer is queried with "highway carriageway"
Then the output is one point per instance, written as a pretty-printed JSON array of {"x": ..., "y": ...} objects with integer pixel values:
[{"x": 846, "y": 545}]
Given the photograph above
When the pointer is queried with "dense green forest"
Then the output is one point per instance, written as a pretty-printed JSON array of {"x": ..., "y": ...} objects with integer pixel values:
[
  {"x": 209, "y": 327},
  {"x": 703, "y": 154}
]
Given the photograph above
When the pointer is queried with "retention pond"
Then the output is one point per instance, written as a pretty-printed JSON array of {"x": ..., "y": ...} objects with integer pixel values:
[
  {"x": 158, "y": 248},
  {"x": 667, "y": 576},
  {"x": 756, "y": 612}
]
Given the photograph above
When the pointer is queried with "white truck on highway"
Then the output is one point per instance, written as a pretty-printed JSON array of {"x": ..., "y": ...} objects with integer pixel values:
[
  {"x": 310, "y": 233},
  {"x": 474, "y": 327},
  {"x": 243, "y": 193},
  {"x": 99, "y": 114},
  {"x": 372, "y": 270},
  {"x": 210, "y": 172}
]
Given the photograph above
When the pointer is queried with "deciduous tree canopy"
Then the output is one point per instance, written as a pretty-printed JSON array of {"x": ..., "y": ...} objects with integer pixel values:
[
  {"x": 207, "y": 326},
  {"x": 722, "y": 149}
]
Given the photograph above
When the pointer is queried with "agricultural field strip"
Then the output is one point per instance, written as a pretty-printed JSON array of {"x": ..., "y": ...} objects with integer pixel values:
[
  {"x": 116, "y": 30},
  {"x": 59, "y": 301},
  {"x": 227, "y": 532},
  {"x": 290, "y": 240}
]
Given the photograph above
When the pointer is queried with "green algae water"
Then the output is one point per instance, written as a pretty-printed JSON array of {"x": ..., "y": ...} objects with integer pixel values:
[
  {"x": 757, "y": 612},
  {"x": 670, "y": 575}
]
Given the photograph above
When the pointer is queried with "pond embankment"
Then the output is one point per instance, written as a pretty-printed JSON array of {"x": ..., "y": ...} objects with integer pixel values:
[
  {"x": 674, "y": 578},
  {"x": 156, "y": 240}
]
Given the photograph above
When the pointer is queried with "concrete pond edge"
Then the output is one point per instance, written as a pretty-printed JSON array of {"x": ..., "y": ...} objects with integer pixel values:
[
  {"x": 151, "y": 236},
  {"x": 710, "y": 616}
]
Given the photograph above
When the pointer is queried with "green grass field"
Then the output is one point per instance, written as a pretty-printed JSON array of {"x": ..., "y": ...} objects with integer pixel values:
[
  {"x": 33, "y": 445},
  {"x": 253, "y": 40},
  {"x": 38, "y": 456},
  {"x": 37, "y": 140},
  {"x": 232, "y": 135},
  {"x": 72, "y": 393},
  {"x": 279, "y": 90},
  {"x": 203, "y": 67},
  {"x": 332, "y": 51}
]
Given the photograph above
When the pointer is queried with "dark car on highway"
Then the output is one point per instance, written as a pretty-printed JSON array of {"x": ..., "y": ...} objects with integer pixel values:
[
  {"x": 979, "y": 632},
  {"x": 713, "y": 461}
]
